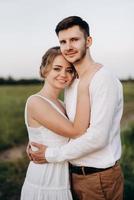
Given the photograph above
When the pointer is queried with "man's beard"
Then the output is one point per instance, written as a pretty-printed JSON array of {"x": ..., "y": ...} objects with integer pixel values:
[{"x": 81, "y": 56}]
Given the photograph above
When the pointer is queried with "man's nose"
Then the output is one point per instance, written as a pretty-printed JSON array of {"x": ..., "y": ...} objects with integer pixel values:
[{"x": 68, "y": 46}]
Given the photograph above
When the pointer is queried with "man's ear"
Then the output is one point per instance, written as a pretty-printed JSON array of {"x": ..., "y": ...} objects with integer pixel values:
[{"x": 89, "y": 41}]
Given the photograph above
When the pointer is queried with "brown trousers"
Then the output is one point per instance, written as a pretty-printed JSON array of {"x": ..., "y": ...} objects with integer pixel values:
[{"x": 105, "y": 185}]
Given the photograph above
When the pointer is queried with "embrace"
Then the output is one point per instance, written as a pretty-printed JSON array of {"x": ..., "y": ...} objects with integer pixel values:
[{"x": 74, "y": 147}]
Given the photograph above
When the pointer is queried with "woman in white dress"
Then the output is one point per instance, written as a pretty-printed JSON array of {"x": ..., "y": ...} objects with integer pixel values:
[{"x": 47, "y": 123}]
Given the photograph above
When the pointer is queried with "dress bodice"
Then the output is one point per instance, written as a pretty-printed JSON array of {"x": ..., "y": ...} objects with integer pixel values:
[{"x": 42, "y": 134}]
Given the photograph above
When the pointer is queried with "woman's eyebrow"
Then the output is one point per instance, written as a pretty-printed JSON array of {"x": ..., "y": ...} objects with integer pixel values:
[{"x": 58, "y": 66}]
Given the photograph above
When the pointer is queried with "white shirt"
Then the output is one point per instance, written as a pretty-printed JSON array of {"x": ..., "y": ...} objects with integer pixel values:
[{"x": 100, "y": 145}]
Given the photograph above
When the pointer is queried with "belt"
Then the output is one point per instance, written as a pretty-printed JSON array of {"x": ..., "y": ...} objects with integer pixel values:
[{"x": 81, "y": 170}]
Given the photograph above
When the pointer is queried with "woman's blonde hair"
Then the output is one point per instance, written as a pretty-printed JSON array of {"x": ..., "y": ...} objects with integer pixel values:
[{"x": 47, "y": 61}]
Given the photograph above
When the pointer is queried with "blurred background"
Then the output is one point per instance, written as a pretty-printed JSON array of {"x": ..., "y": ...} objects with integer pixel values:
[{"x": 27, "y": 31}]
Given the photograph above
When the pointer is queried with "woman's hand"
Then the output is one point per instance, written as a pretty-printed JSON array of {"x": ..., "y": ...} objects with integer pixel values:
[
  {"x": 86, "y": 77},
  {"x": 85, "y": 80}
]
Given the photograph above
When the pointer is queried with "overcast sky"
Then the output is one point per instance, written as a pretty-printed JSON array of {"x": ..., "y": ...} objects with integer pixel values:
[{"x": 27, "y": 31}]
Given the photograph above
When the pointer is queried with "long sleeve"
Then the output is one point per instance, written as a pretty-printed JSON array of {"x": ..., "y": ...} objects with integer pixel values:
[{"x": 106, "y": 112}]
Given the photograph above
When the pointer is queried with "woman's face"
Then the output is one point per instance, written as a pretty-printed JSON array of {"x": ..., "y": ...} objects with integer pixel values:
[{"x": 61, "y": 73}]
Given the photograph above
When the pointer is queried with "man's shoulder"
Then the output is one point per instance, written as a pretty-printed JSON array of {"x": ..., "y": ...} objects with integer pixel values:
[
  {"x": 105, "y": 78},
  {"x": 105, "y": 74}
]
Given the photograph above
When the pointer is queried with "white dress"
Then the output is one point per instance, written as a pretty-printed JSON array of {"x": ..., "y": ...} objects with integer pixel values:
[{"x": 46, "y": 181}]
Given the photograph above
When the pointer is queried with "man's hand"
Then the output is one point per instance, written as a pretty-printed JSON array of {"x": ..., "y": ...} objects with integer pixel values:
[
  {"x": 38, "y": 156},
  {"x": 28, "y": 151}
]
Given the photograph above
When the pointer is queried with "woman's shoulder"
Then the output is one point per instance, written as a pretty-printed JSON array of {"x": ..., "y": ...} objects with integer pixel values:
[
  {"x": 32, "y": 98},
  {"x": 35, "y": 100}
]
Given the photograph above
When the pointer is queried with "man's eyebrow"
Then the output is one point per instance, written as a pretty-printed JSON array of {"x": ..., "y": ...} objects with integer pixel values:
[
  {"x": 62, "y": 40},
  {"x": 75, "y": 37},
  {"x": 70, "y": 67}
]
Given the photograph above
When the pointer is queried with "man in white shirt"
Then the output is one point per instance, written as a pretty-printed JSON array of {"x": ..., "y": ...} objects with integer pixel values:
[{"x": 96, "y": 173}]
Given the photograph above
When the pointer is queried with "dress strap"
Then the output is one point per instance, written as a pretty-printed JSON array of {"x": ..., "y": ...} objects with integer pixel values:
[
  {"x": 52, "y": 104},
  {"x": 46, "y": 99}
]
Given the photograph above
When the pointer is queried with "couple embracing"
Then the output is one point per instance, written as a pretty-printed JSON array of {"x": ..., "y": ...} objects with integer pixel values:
[{"x": 75, "y": 146}]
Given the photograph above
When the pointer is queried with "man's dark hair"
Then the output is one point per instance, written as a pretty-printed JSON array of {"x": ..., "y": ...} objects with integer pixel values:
[{"x": 73, "y": 21}]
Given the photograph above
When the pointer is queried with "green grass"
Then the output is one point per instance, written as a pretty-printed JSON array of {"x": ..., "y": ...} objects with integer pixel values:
[
  {"x": 12, "y": 102},
  {"x": 11, "y": 178},
  {"x": 128, "y": 114},
  {"x": 128, "y": 89},
  {"x": 13, "y": 132},
  {"x": 127, "y": 159}
]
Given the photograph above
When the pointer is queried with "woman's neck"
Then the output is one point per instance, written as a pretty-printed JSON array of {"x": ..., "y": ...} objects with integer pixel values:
[{"x": 49, "y": 92}]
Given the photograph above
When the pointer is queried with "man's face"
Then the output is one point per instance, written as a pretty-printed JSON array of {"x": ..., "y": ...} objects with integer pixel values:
[{"x": 73, "y": 44}]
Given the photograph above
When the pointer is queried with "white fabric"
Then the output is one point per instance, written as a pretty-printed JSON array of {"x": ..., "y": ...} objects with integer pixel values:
[
  {"x": 46, "y": 181},
  {"x": 100, "y": 145}
]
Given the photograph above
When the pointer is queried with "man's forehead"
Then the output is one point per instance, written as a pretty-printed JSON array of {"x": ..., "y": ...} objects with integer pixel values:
[{"x": 70, "y": 33}]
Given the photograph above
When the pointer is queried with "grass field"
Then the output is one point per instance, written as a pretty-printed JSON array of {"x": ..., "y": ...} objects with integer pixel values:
[
  {"x": 128, "y": 114},
  {"x": 13, "y": 136},
  {"x": 12, "y": 102}
]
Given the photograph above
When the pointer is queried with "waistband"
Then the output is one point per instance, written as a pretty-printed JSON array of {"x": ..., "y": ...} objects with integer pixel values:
[{"x": 82, "y": 170}]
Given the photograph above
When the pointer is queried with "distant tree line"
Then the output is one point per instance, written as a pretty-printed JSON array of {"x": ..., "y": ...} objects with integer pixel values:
[
  {"x": 11, "y": 81},
  {"x": 130, "y": 80}
]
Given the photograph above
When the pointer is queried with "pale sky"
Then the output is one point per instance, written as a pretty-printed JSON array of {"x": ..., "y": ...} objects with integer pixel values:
[{"x": 27, "y": 31}]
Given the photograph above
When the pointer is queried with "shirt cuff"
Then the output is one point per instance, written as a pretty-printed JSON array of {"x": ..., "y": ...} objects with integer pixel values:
[{"x": 51, "y": 154}]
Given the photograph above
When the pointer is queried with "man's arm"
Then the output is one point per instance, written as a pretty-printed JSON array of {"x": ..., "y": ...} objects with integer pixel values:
[
  {"x": 106, "y": 98},
  {"x": 106, "y": 95}
]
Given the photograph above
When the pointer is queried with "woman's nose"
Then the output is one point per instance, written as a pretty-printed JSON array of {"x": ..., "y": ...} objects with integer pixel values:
[{"x": 63, "y": 73}]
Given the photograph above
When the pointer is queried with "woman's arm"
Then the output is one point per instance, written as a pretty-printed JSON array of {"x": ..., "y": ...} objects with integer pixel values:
[
  {"x": 82, "y": 115},
  {"x": 43, "y": 113}
]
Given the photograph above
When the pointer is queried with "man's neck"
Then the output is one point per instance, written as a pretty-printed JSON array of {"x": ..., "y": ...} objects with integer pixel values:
[{"x": 87, "y": 63}]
